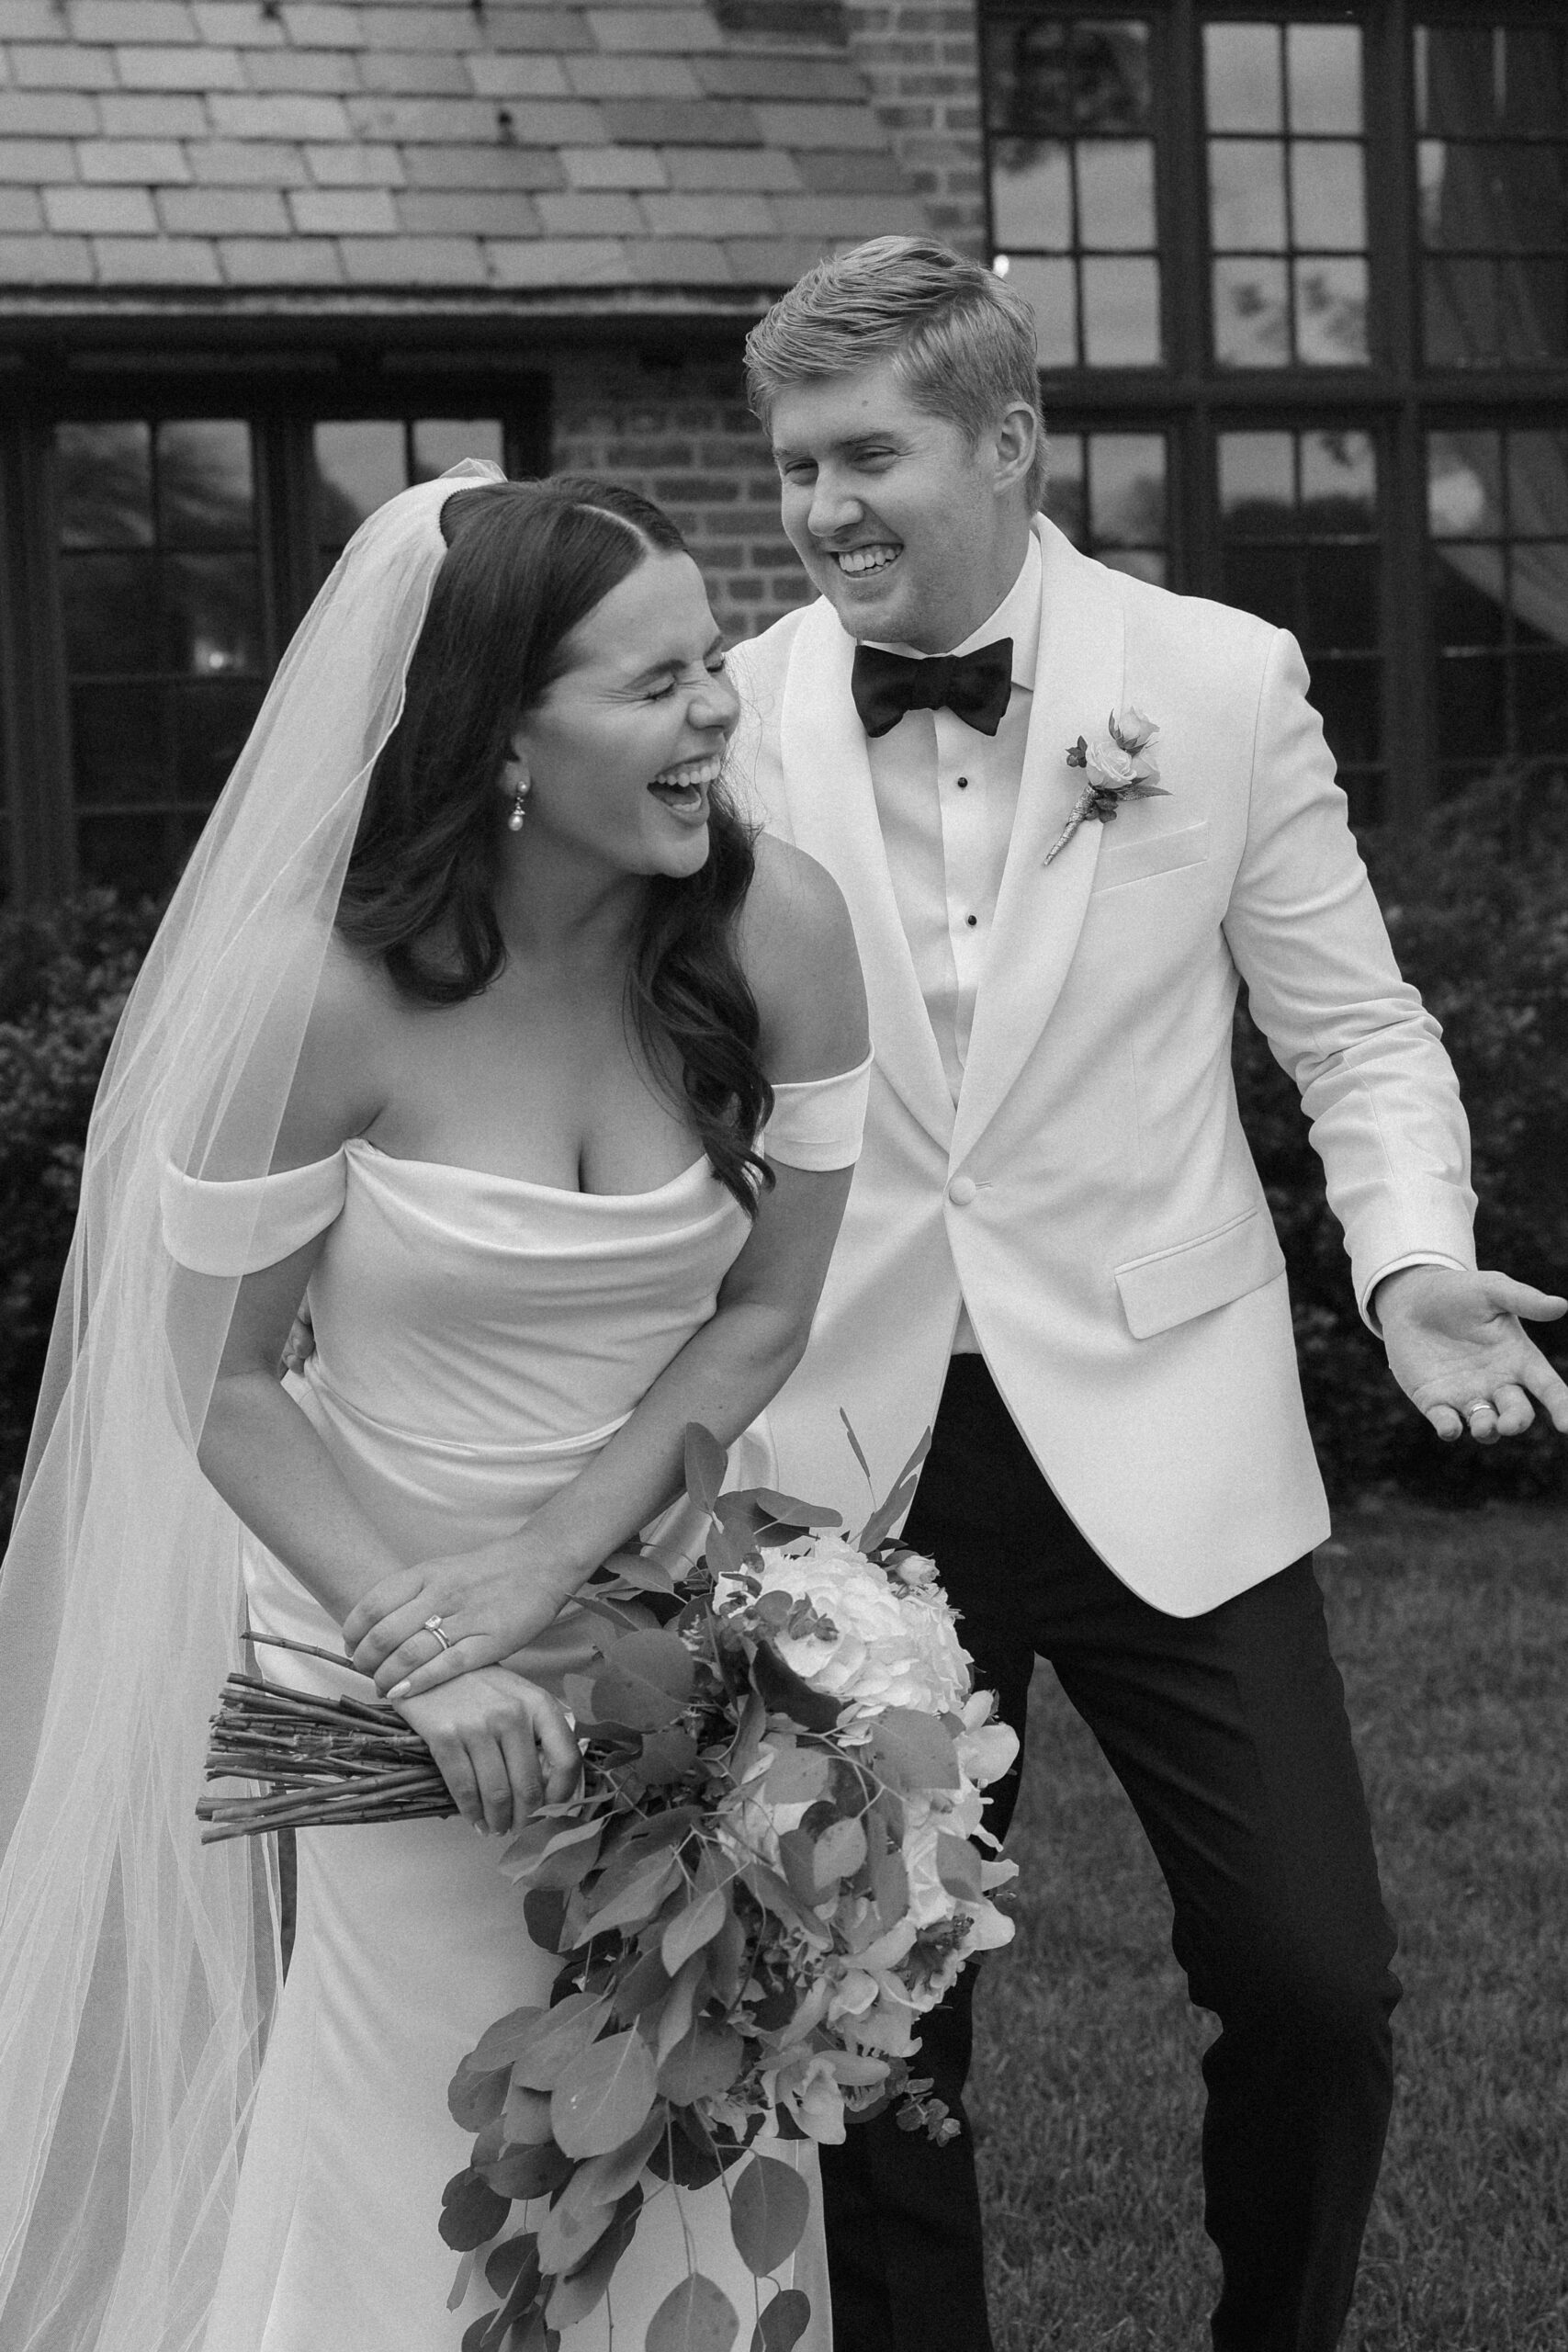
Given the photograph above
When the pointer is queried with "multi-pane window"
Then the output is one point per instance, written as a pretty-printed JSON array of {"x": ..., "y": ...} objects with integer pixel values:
[
  {"x": 1107, "y": 492},
  {"x": 1069, "y": 110},
  {"x": 171, "y": 618},
  {"x": 1300, "y": 538},
  {"x": 1287, "y": 194},
  {"x": 1497, "y": 509},
  {"x": 1492, "y": 111},
  {"x": 164, "y": 646},
  {"x": 1362, "y": 354},
  {"x": 359, "y": 464}
]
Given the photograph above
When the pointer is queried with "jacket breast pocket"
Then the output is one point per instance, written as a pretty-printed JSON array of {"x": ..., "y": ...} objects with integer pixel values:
[
  {"x": 1171, "y": 1287},
  {"x": 1139, "y": 856}
]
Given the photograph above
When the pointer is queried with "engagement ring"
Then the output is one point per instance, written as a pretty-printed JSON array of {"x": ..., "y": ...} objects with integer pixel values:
[{"x": 433, "y": 1626}]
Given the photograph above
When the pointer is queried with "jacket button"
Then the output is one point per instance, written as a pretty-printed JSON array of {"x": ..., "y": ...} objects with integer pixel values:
[{"x": 962, "y": 1191}]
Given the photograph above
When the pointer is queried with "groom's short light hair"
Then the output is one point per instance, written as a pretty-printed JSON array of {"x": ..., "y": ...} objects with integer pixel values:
[{"x": 961, "y": 342}]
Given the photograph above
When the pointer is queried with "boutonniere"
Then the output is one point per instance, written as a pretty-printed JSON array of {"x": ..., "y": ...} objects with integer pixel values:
[{"x": 1119, "y": 765}]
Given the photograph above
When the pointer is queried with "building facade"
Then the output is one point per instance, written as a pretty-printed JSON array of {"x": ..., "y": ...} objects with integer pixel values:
[{"x": 1301, "y": 274}]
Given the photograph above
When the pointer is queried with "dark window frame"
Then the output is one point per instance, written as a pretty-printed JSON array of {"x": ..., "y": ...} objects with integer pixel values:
[
  {"x": 281, "y": 394},
  {"x": 1395, "y": 395}
]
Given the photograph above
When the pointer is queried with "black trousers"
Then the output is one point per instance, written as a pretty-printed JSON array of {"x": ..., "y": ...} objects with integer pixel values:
[{"x": 1228, "y": 1733}]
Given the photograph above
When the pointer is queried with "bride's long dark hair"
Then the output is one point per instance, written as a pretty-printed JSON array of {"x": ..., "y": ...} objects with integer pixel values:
[{"x": 526, "y": 562}]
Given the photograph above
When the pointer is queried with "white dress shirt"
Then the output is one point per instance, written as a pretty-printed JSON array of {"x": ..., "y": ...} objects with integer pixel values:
[{"x": 946, "y": 798}]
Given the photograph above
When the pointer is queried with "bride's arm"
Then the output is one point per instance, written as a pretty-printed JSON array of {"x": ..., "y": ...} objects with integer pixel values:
[{"x": 800, "y": 957}]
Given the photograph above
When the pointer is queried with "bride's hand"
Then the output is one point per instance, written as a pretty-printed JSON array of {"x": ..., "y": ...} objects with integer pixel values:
[
  {"x": 503, "y": 1745},
  {"x": 490, "y": 1602}
]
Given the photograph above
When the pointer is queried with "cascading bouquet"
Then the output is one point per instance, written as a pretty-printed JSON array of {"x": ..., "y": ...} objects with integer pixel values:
[{"x": 770, "y": 1871}]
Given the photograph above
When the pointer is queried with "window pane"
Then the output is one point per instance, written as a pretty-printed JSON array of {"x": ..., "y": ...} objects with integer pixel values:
[
  {"x": 1241, "y": 72},
  {"x": 1252, "y": 321},
  {"x": 118, "y": 742},
  {"x": 1264, "y": 580},
  {"x": 440, "y": 443},
  {"x": 1111, "y": 78},
  {"x": 1339, "y": 471},
  {"x": 1066, "y": 498},
  {"x": 110, "y": 608},
  {"x": 1472, "y": 707},
  {"x": 1542, "y": 694},
  {"x": 213, "y": 609},
  {"x": 1340, "y": 587},
  {"x": 1116, "y": 192},
  {"x": 1534, "y": 318},
  {"x": 1050, "y": 289},
  {"x": 1257, "y": 471},
  {"x": 1121, "y": 306},
  {"x": 1246, "y": 194},
  {"x": 1127, "y": 489},
  {"x": 1324, "y": 71},
  {"x": 1031, "y": 195},
  {"x": 1331, "y": 312},
  {"x": 205, "y": 493},
  {"x": 1538, "y": 485},
  {"x": 106, "y": 485},
  {"x": 1454, "y": 78},
  {"x": 213, "y": 720},
  {"x": 358, "y": 468},
  {"x": 1347, "y": 697},
  {"x": 1328, "y": 201}
]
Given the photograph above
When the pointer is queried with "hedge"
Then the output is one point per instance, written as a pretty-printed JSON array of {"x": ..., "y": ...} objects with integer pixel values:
[{"x": 1477, "y": 904}]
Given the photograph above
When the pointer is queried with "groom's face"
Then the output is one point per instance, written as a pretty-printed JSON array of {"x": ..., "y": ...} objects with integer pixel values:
[{"x": 912, "y": 534}]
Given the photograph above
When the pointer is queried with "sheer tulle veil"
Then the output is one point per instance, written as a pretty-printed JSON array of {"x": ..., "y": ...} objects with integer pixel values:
[{"x": 136, "y": 1970}]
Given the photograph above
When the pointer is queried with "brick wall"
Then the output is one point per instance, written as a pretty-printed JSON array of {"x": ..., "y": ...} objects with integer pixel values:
[
  {"x": 678, "y": 429},
  {"x": 923, "y": 67}
]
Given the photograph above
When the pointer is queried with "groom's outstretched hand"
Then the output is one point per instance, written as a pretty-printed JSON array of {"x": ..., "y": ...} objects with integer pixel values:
[{"x": 1458, "y": 1347}]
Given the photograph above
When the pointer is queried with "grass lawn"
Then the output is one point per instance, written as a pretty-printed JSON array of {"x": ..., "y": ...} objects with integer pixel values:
[{"x": 1452, "y": 1632}]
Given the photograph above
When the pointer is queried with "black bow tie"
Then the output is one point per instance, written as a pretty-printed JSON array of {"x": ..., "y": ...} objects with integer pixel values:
[{"x": 974, "y": 686}]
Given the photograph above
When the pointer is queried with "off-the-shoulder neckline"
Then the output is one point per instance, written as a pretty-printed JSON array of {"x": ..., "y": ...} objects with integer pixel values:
[{"x": 523, "y": 1183}]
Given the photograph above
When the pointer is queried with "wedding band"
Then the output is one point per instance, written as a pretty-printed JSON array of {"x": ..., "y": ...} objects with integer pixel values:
[
  {"x": 1482, "y": 1404},
  {"x": 433, "y": 1626}
]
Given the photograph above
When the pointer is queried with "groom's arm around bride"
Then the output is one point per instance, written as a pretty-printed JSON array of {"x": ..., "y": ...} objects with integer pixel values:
[{"x": 1058, "y": 1247}]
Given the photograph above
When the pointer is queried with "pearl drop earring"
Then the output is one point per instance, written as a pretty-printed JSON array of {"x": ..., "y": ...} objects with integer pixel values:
[{"x": 519, "y": 806}]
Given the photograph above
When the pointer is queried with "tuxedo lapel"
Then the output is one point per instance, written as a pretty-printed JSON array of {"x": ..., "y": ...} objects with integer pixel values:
[
  {"x": 1040, "y": 908},
  {"x": 833, "y": 811}
]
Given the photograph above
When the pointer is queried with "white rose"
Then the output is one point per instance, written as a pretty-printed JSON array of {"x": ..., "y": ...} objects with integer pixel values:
[
  {"x": 886, "y": 1648},
  {"x": 1135, "y": 727},
  {"x": 1109, "y": 767}
]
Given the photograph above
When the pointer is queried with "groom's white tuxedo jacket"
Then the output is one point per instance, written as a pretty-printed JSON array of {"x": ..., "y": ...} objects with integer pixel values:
[{"x": 1091, "y": 1198}]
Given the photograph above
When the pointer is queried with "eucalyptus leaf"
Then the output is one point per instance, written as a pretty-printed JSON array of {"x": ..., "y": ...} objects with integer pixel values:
[
  {"x": 544, "y": 1915},
  {"x": 855, "y": 1447},
  {"x": 769, "y": 2208},
  {"x": 798, "y": 1775},
  {"x": 639, "y": 1898},
  {"x": 958, "y": 1866},
  {"x": 604, "y": 2096},
  {"x": 559, "y": 2036},
  {"x": 535, "y": 2170},
  {"x": 784, "y": 2322},
  {"x": 696, "y": 2316},
  {"x": 675, "y": 2019},
  {"x": 611, "y": 2177},
  {"x": 583, "y": 2289},
  {"x": 571, "y": 2229},
  {"x": 789, "y": 1511},
  {"x": 703, "y": 2064},
  {"x": 786, "y": 1693},
  {"x": 506, "y": 2262},
  {"x": 838, "y": 1852},
  {"x": 707, "y": 1462},
  {"x": 632, "y": 1700},
  {"x": 900, "y": 1496},
  {"x": 690, "y": 1930},
  {"x": 912, "y": 1751},
  {"x": 667, "y": 1756},
  {"x": 471, "y": 2211},
  {"x": 475, "y": 2098},
  {"x": 655, "y": 1657},
  {"x": 503, "y": 2043}
]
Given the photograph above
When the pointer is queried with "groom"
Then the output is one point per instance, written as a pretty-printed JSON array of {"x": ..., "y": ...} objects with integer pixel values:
[{"x": 1057, "y": 1249}]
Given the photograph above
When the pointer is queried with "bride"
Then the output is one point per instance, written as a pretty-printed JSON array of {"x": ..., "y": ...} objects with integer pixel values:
[{"x": 479, "y": 1016}]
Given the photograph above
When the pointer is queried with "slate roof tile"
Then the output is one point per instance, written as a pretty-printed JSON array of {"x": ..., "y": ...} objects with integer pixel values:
[{"x": 527, "y": 145}]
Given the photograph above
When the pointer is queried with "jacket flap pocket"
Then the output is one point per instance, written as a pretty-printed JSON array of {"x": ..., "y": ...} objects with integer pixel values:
[
  {"x": 1141, "y": 855},
  {"x": 1173, "y": 1285}
]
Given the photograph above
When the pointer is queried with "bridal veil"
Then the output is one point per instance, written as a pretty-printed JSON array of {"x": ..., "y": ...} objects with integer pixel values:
[{"x": 136, "y": 1964}]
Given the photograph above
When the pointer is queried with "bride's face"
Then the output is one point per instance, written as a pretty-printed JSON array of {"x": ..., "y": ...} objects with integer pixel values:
[{"x": 623, "y": 749}]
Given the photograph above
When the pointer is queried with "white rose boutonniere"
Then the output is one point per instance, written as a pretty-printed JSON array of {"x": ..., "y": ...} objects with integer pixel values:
[{"x": 1119, "y": 765}]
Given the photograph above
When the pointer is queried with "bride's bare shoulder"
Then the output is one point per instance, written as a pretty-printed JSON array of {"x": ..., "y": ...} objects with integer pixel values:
[
  {"x": 339, "y": 1085},
  {"x": 799, "y": 946}
]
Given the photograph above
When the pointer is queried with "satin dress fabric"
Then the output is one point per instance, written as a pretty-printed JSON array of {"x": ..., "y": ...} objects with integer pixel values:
[{"x": 478, "y": 1339}]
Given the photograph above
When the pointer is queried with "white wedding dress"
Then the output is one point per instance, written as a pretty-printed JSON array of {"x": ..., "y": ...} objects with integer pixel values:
[{"x": 478, "y": 1339}]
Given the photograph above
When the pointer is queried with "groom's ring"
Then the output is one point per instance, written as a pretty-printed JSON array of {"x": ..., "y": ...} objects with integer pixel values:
[
  {"x": 433, "y": 1626},
  {"x": 1482, "y": 1404}
]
